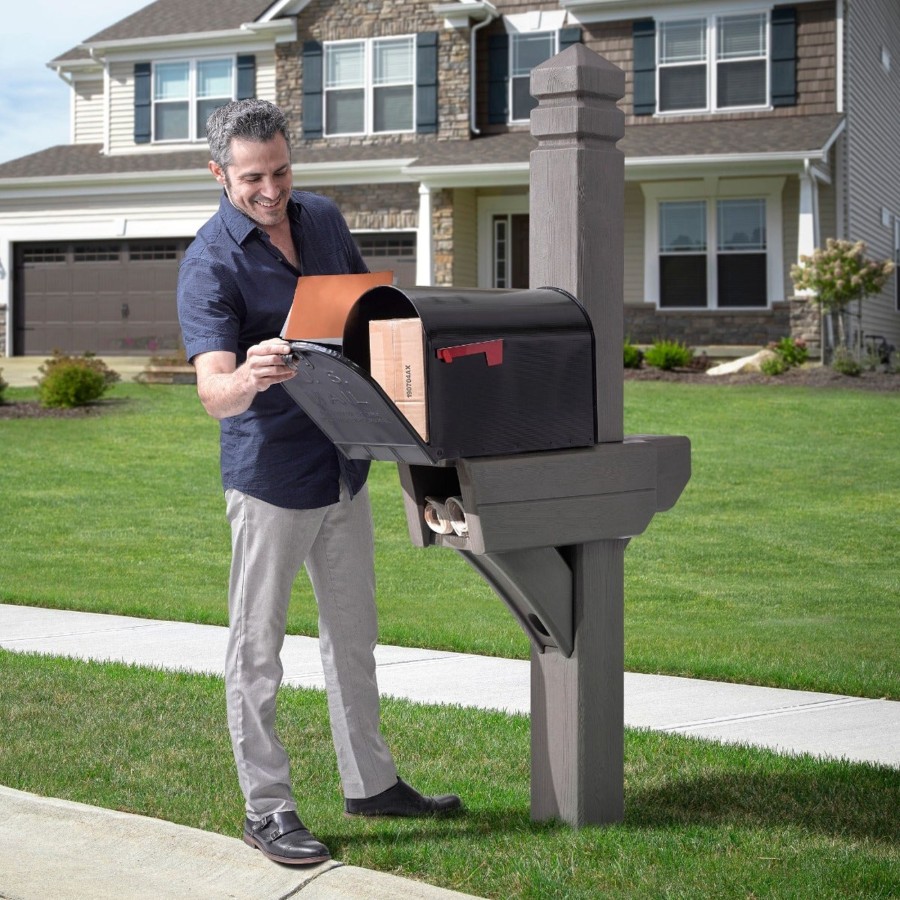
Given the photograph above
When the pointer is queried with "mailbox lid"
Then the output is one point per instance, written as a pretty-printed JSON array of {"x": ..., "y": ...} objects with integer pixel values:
[{"x": 507, "y": 371}]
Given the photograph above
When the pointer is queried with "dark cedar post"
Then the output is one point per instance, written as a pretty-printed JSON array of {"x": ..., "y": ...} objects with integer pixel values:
[{"x": 577, "y": 243}]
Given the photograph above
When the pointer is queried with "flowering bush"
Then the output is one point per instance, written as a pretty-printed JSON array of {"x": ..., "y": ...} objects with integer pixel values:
[
  {"x": 840, "y": 274},
  {"x": 793, "y": 351}
]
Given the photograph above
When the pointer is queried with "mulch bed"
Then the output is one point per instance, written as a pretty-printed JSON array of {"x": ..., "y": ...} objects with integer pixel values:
[{"x": 813, "y": 376}]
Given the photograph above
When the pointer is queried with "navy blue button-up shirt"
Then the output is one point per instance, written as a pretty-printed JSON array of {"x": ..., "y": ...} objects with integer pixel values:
[{"x": 235, "y": 289}]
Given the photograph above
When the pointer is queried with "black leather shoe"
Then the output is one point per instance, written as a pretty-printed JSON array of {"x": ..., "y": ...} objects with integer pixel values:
[
  {"x": 402, "y": 800},
  {"x": 284, "y": 838}
]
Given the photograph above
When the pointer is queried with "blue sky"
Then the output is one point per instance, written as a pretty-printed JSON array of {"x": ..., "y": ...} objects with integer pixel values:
[{"x": 34, "y": 101}]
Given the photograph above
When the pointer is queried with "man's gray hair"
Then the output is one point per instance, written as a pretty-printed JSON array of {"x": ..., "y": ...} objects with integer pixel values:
[{"x": 246, "y": 120}]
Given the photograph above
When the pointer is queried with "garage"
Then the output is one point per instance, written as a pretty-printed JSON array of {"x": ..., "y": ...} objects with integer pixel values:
[
  {"x": 106, "y": 297},
  {"x": 117, "y": 298}
]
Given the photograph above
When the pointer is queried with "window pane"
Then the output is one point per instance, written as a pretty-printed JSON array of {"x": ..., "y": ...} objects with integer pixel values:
[
  {"x": 344, "y": 112},
  {"x": 530, "y": 50},
  {"x": 741, "y": 84},
  {"x": 394, "y": 61},
  {"x": 171, "y": 121},
  {"x": 742, "y": 36},
  {"x": 682, "y": 87},
  {"x": 205, "y": 109},
  {"x": 682, "y": 41},
  {"x": 214, "y": 78},
  {"x": 344, "y": 65},
  {"x": 742, "y": 224},
  {"x": 742, "y": 279},
  {"x": 171, "y": 81},
  {"x": 682, "y": 281},
  {"x": 682, "y": 226},
  {"x": 393, "y": 109},
  {"x": 522, "y": 101}
]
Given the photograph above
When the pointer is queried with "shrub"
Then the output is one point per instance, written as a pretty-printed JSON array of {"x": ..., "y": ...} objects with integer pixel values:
[
  {"x": 668, "y": 355},
  {"x": 633, "y": 355},
  {"x": 774, "y": 365},
  {"x": 3, "y": 386},
  {"x": 793, "y": 351},
  {"x": 69, "y": 381},
  {"x": 845, "y": 362}
]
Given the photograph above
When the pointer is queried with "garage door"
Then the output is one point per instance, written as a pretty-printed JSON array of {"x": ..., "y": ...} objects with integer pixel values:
[
  {"x": 394, "y": 250},
  {"x": 106, "y": 297}
]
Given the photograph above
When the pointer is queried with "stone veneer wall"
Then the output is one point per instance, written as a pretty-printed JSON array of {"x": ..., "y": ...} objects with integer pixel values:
[
  {"x": 323, "y": 20},
  {"x": 378, "y": 207}
]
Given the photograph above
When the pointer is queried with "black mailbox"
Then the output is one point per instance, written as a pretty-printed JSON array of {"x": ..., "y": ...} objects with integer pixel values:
[{"x": 505, "y": 371}]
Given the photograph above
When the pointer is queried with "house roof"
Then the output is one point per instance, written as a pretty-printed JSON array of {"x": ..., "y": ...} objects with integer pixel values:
[
  {"x": 786, "y": 137},
  {"x": 168, "y": 17}
]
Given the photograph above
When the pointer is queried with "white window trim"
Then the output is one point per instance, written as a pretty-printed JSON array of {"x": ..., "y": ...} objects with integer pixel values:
[
  {"x": 195, "y": 135},
  {"x": 488, "y": 207},
  {"x": 368, "y": 87},
  {"x": 712, "y": 38},
  {"x": 509, "y": 87},
  {"x": 710, "y": 190}
]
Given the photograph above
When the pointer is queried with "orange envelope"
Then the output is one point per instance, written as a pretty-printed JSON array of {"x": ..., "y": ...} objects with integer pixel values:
[{"x": 322, "y": 303}]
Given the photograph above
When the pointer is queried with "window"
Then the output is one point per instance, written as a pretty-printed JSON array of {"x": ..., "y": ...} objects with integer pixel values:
[
  {"x": 96, "y": 252},
  {"x": 714, "y": 63},
  {"x": 370, "y": 86},
  {"x": 736, "y": 265},
  {"x": 527, "y": 50},
  {"x": 510, "y": 258},
  {"x": 185, "y": 93}
]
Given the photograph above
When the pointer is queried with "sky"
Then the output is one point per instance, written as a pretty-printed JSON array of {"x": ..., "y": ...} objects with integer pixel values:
[{"x": 34, "y": 100}]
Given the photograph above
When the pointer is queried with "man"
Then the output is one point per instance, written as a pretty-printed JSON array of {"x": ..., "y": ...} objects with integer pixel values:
[{"x": 291, "y": 497}]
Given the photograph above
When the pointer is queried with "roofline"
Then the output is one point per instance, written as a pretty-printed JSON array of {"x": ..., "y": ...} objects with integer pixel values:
[
  {"x": 404, "y": 169},
  {"x": 286, "y": 27}
]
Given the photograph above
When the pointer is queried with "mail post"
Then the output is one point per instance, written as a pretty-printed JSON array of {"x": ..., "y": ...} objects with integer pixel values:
[{"x": 455, "y": 373}]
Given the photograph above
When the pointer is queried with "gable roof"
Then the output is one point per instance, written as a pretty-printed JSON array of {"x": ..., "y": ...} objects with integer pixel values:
[{"x": 170, "y": 17}]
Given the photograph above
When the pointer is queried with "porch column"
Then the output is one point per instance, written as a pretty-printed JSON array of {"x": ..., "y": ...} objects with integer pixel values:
[
  {"x": 807, "y": 236},
  {"x": 424, "y": 239}
]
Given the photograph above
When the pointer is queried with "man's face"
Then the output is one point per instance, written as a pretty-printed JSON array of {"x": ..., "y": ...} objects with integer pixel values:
[{"x": 258, "y": 181}]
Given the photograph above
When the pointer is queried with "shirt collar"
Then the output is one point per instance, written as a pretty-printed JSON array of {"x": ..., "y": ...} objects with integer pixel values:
[{"x": 240, "y": 226}]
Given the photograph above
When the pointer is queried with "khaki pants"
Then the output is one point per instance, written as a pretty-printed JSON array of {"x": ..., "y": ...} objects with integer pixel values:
[{"x": 269, "y": 545}]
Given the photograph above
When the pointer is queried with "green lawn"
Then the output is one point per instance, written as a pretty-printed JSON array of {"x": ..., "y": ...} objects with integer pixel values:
[
  {"x": 701, "y": 820},
  {"x": 776, "y": 567}
]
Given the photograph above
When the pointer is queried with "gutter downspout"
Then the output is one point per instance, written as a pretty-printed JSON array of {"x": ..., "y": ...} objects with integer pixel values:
[{"x": 492, "y": 14}]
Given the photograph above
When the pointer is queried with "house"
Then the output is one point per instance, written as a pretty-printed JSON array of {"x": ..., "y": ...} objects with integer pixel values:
[{"x": 754, "y": 131}]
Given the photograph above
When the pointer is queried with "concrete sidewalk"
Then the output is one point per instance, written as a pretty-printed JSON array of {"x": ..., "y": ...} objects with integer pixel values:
[{"x": 109, "y": 854}]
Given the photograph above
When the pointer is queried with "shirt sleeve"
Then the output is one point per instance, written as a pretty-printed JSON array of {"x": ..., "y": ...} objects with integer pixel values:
[{"x": 210, "y": 307}]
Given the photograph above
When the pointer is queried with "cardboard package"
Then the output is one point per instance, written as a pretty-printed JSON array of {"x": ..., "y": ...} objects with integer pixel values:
[
  {"x": 322, "y": 303},
  {"x": 397, "y": 363}
]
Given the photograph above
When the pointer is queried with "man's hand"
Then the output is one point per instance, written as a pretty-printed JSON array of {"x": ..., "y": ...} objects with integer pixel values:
[
  {"x": 228, "y": 390},
  {"x": 266, "y": 364}
]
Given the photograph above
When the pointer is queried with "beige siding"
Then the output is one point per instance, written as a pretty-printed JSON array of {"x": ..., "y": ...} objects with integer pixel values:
[
  {"x": 88, "y": 111},
  {"x": 873, "y": 143},
  {"x": 790, "y": 236},
  {"x": 465, "y": 238},
  {"x": 121, "y": 137},
  {"x": 634, "y": 244}
]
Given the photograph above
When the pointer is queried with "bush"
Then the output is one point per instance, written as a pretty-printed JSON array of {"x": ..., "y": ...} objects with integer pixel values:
[
  {"x": 3, "y": 386},
  {"x": 793, "y": 351},
  {"x": 69, "y": 381},
  {"x": 633, "y": 356},
  {"x": 668, "y": 355},
  {"x": 774, "y": 365},
  {"x": 845, "y": 362}
]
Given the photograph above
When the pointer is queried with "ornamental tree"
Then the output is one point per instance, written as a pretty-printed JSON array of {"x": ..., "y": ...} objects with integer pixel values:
[{"x": 840, "y": 274}]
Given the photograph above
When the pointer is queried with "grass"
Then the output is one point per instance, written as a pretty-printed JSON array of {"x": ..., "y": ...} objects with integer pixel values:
[
  {"x": 774, "y": 568},
  {"x": 701, "y": 819}
]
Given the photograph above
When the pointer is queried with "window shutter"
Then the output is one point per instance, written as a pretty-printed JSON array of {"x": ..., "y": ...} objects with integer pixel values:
[
  {"x": 644, "y": 39},
  {"x": 142, "y": 103},
  {"x": 312, "y": 90},
  {"x": 246, "y": 77},
  {"x": 498, "y": 79},
  {"x": 427, "y": 82},
  {"x": 569, "y": 36},
  {"x": 784, "y": 56}
]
